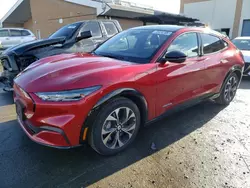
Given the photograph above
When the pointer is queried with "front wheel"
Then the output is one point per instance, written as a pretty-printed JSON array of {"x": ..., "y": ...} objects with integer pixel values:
[
  {"x": 229, "y": 90},
  {"x": 116, "y": 126}
]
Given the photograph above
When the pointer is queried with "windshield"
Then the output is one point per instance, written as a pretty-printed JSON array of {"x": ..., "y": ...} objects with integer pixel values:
[
  {"x": 134, "y": 45},
  {"x": 242, "y": 44},
  {"x": 67, "y": 31}
]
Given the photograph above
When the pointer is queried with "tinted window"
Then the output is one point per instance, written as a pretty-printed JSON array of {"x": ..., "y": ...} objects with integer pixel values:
[
  {"x": 186, "y": 43},
  {"x": 67, "y": 31},
  {"x": 94, "y": 27},
  {"x": 15, "y": 33},
  {"x": 25, "y": 33},
  {"x": 135, "y": 45},
  {"x": 4, "y": 33},
  {"x": 212, "y": 44},
  {"x": 110, "y": 28},
  {"x": 242, "y": 44}
]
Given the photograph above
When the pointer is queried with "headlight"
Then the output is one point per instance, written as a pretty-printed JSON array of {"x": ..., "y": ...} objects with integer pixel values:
[{"x": 72, "y": 95}]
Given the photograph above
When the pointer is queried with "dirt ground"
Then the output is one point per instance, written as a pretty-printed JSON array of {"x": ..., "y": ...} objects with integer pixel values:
[{"x": 203, "y": 146}]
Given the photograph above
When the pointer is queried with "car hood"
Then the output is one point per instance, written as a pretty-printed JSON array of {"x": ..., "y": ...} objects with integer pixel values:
[
  {"x": 73, "y": 71},
  {"x": 27, "y": 46},
  {"x": 246, "y": 55}
]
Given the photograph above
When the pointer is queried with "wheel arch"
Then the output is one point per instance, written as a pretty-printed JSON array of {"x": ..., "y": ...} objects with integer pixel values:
[
  {"x": 235, "y": 69},
  {"x": 132, "y": 94},
  {"x": 129, "y": 93}
]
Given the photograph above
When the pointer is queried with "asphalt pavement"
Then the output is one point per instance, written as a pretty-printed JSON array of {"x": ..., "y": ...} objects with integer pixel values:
[{"x": 203, "y": 146}]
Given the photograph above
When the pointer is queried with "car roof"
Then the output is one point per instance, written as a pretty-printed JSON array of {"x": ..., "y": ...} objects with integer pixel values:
[
  {"x": 161, "y": 27},
  {"x": 243, "y": 38},
  {"x": 14, "y": 28}
]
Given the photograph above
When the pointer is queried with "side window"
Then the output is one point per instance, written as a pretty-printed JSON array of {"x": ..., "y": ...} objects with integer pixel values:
[
  {"x": 94, "y": 27},
  {"x": 186, "y": 43},
  {"x": 25, "y": 33},
  {"x": 110, "y": 28},
  {"x": 212, "y": 44},
  {"x": 4, "y": 33},
  {"x": 15, "y": 33}
]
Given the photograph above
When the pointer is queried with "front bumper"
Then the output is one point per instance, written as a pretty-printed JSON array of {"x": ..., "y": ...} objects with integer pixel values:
[
  {"x": 59, "y": 125},
  {"x": 45, "y": 137}
]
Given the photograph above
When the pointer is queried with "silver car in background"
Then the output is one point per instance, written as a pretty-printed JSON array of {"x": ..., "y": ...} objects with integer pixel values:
[
  {"x": 243, "y": 44},
  {"x": 10, "y": 37}
]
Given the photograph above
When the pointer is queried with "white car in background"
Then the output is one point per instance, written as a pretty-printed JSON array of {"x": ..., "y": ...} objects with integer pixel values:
[
  {"x": 243, "y": 44},
  {"x": 10, "y": 37}
]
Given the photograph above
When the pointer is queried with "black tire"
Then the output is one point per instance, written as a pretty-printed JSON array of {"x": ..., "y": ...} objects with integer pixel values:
[
  {"x": 223, "y": 99},
  {"x": 96, "y": 138}
]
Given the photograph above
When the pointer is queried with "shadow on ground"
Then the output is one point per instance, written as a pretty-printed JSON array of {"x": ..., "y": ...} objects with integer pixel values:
[{"x": 27, "y": 164}]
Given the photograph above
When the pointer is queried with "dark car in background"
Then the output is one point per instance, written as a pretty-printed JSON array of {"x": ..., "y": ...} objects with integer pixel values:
[{"x": 71, "y": 38}]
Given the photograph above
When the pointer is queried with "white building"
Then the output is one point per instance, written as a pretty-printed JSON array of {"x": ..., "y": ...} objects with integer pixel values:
[{"x": 230, "y": 16}]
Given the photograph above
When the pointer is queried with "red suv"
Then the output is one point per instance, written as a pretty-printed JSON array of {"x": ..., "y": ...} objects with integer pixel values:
[{"x": 137, "y": 76}]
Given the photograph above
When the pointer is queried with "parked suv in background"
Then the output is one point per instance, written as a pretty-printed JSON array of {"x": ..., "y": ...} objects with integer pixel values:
[
  {"x": 10, "y": 37},
  {"x": 243, "y": 44},
  {"x": 81, "y": 36}
]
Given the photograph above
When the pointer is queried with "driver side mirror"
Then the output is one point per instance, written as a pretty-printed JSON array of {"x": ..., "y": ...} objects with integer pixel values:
[
  {"x": 84, "y": 35},
  {"x": 174, "y": 57}
]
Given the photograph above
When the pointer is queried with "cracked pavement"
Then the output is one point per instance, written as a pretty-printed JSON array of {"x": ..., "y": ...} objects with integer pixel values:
[{"x": 203, "y": 146}]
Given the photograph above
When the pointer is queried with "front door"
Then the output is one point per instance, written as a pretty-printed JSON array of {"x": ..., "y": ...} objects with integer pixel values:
[{"x": 180, "y": 82}]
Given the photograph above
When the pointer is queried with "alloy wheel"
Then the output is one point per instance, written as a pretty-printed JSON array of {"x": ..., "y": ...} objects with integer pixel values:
[
  {"x": 118, "y": 128},
  {"x": 231, "y": 88}
]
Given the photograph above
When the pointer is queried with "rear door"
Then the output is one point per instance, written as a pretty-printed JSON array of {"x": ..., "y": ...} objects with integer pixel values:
[
  {"x": 15, "y": 37},
  {"x": 4, "y": 38},
  {"x": 27, "y": 36},
  {"x": 180, "y": 82},
  {"x": 216, "y": 59}
]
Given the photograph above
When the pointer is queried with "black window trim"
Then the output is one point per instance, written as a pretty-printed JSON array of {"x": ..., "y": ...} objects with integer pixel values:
[
  {"x": 221, "y": 39},
  {"x": 198, "y": 42}
]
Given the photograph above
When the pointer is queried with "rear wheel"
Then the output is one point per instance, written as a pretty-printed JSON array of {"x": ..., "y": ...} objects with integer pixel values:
[
  {"x": 229, "y": 90},
  {"x": 116, "y": 126}
]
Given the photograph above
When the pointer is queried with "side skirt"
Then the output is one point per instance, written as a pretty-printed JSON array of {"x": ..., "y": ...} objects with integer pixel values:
[{"x": 183, "y": 106}]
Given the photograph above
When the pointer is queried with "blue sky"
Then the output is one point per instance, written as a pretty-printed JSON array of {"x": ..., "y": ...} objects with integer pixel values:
[{"x": 172, "y": 6}]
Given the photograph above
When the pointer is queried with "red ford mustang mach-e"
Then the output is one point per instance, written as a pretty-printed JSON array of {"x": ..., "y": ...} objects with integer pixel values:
[{"x": 130, "y": 80}]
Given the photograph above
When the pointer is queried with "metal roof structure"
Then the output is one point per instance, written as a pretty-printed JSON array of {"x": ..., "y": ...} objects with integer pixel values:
[{"x": 172, "y": 19}]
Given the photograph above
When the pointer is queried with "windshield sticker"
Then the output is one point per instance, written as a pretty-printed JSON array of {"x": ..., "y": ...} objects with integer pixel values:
[
  {"x": 72, "y": 27},
  {"x": 167, "y": 33}
]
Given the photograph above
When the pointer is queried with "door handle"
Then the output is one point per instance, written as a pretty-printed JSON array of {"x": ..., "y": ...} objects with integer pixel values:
[{"x": 7, "y": 39}]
